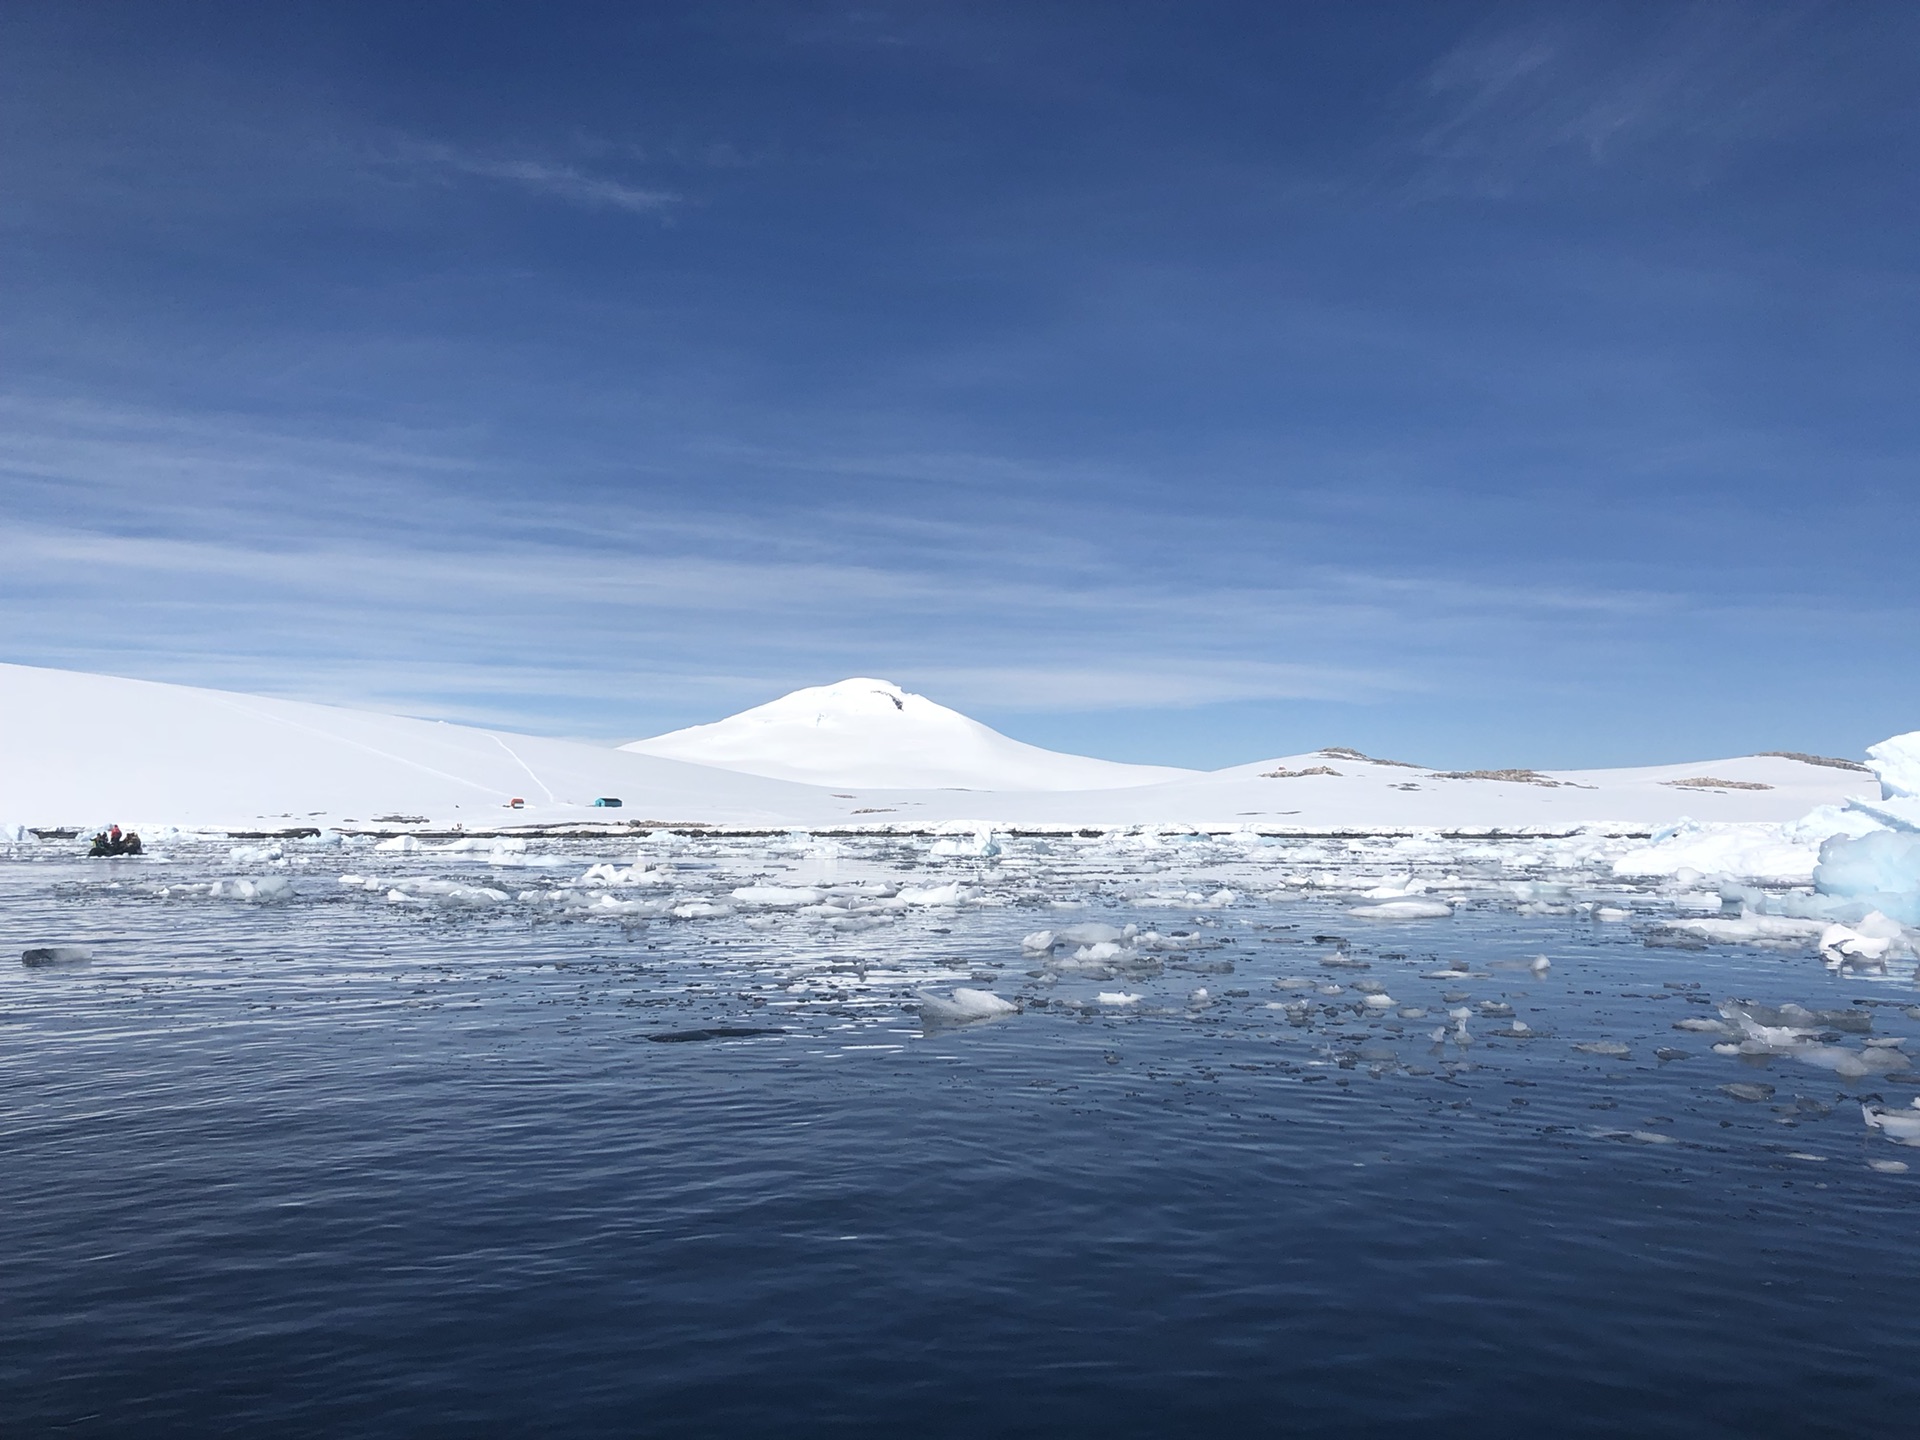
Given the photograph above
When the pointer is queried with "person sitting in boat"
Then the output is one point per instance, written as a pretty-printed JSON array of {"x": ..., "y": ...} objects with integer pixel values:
[{"x": 112, "y": 841}]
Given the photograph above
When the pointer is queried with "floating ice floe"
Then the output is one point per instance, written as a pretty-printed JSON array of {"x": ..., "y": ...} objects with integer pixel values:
[
  {"x": 1795, "y": 1032},
  {"x": 930, "y": 895},
  {"x": 1749, "y": 929},
  {"x": 495, "y": 845},
  {"x": 445, "y": 892},
  {"x": 980, "y": 844},
  {"x": 965, "y": 1006},
  {"x": 1403, "y": 910},
  {"x": 1900, "y": 1126},
  {"x": 1871, "y": 941},
  {"x": 777, "y": 897},
  {"x": 261, "y": 890},
  {"x": 1749, "y": 852}
]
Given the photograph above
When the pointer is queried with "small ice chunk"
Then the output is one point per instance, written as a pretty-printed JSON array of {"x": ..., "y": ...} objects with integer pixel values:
[
  {"x": 1841, "y": 943},
  {"x": 1091, "y": 933},
  {"x": 1748, "y": 1092},
  {"x": 965, "y": 1006},
  {"x": 1851, "y": 1064},
  {"x": 929, "y": 895},
  {"x": 1038, "y": 943},
  {"x": 1900, "y": 1126},
  {"x": 1610, "y": 1048},
  {"x": 266, "y": 888},
  {"x": 1117, "y": 997}
]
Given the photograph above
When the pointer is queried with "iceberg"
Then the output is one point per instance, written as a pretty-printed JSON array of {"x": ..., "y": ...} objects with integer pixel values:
[
  {"x": 1896, "y": 764},
  {"x": 1881, "y": 869}
]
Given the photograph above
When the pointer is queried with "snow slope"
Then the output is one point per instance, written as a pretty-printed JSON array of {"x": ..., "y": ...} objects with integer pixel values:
[
  {"x": 871, "y": 733},
  {"x": 1362, "y": 794},
  {"x": 78, "y": 749},
  {"x": 89, "y": 749}
]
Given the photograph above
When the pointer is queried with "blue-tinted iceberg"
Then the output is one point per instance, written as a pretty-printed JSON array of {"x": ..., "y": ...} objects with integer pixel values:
[{"x": 1881, "y": 869}]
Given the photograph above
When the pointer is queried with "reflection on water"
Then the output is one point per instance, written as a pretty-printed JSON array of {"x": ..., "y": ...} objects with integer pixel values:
[{"x": 391, "y": 1155}]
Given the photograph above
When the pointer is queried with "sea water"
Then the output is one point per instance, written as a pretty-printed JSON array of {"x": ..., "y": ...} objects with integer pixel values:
[{"x": 334, "y": 1162}]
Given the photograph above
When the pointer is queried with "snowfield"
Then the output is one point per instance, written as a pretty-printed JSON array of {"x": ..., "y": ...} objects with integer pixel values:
[{"x": 83, "y": 750}]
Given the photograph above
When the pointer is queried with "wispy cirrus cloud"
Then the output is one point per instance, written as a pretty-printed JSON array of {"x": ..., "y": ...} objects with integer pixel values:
[
  {"x": 545, "y": 177},
  {"x": 1597, "y": 85}
]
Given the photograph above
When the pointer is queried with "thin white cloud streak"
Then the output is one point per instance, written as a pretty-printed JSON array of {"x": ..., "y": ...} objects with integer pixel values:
[
  {"x": 551, "y": 178},
  {"x": 1694, "y": 78},
  {"x": 564, "y": 182}
]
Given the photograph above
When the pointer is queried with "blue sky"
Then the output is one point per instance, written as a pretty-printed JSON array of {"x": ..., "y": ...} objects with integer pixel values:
[{"x": 1479, "y": 384}]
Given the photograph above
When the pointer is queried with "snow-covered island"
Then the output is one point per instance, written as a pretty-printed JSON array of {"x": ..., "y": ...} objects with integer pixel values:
[{"x": 81, "y": 750}]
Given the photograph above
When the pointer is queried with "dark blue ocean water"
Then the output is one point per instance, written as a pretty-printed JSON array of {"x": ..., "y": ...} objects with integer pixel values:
[{"x": 323, "y": 1169}]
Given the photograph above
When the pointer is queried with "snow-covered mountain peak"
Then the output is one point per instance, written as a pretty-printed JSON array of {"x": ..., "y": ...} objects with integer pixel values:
[
  {"x": 868, "y": 732},
  {"x": 831, "y": 704}
]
